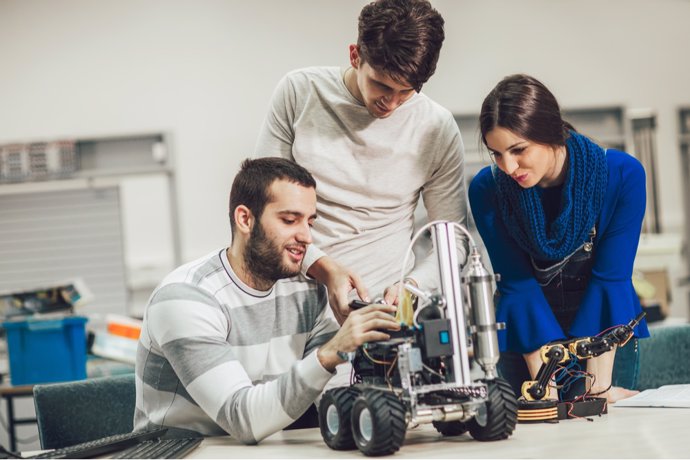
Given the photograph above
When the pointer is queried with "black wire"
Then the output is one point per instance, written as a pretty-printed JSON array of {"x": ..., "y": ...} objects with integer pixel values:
[{"x": 601, "y": 392}]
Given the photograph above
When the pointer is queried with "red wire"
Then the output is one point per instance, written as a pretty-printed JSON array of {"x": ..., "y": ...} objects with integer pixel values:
[{"x": 606, "y": 330}]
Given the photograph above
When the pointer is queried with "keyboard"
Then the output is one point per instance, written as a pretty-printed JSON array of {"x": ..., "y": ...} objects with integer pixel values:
[
  {"x": 102, "y": 446},
  {"x": 161, "y": 448}
]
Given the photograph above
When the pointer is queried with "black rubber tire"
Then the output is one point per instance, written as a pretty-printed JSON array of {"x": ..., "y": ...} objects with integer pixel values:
[
  {"x": 501, "y": 413},
  {"x": 388, "y": 424},
  {"x": 339, "y": 400},
  {"x": 450, "y": 428}
]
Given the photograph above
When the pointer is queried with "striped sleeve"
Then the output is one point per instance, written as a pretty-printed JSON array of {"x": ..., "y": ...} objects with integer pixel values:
[
  {"x": 325, "y": 326},
  {"x": 189, "y": 326}
]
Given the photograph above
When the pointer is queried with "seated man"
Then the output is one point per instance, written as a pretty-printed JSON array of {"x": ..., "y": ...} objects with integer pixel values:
[{"x": 238, "y": 341}]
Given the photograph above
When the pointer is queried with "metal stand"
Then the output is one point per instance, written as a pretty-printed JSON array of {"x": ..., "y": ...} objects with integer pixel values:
[{"x": 8, "y": 394}]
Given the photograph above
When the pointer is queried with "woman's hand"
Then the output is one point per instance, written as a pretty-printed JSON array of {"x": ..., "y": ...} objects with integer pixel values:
[
  {"x": 617, "y": 393},
  {"x": 339, "y": 281}
]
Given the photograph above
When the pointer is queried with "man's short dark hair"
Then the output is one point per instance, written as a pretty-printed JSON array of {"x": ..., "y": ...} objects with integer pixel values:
[
  {"x": 401, "y": 38},
  {"x": 251, "y": 185}
]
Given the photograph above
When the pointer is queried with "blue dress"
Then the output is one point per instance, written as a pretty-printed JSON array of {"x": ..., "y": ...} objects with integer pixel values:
[{"x": 609, "y": 298}]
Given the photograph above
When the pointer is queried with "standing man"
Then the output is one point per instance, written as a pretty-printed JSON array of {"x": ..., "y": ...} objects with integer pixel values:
[
  {"x": 374, "y": 144},
  {"x": 238, "y": 341}
]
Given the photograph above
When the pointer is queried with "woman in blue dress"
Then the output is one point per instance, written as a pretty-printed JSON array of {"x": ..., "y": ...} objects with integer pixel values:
[{"x": 561, "y": 218}]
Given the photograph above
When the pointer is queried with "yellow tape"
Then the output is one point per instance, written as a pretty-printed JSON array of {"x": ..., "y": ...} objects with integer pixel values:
[{"x": 405, "y": 312}]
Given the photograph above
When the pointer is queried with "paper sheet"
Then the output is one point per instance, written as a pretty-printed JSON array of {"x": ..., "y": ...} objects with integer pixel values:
[{"x": 665, "y": 396}]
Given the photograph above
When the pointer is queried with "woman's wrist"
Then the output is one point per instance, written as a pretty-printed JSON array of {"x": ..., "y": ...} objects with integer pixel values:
[{"x": 598, "y": 391}]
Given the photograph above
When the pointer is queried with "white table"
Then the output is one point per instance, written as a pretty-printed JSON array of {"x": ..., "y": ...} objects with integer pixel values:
[{"x": 625, "y": 432}]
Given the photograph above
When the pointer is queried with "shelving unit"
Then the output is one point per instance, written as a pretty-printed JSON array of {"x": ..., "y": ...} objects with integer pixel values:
[
  {"x": 645, "y": 149},
  {"x": 90, "y": 217},
  {"x": 606, "y": 125},
  {"x": 684, "y": 143},
  {"x": 476, "y": 156}
]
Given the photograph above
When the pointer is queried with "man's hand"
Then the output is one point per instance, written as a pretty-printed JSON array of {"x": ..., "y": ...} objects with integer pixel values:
[
  {"x": 390, "y": 295},
  {"x": 364, "y": 325},
  {"x": 339, "y": 281}
]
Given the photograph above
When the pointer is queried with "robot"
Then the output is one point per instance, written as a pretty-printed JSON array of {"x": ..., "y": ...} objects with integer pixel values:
[
  {"x": 539, "y": 404},
  {"x": 422, "y": 373}
]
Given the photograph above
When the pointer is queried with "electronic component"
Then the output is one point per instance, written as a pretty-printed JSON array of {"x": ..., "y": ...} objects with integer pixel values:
[{"x": 422, "y": 373}]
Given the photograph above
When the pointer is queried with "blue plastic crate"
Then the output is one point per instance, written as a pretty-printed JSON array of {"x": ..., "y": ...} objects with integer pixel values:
[{"x": 42, "y": 351}]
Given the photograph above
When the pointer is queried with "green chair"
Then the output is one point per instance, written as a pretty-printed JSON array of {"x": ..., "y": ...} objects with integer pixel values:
[
  {"x": 664, "y": 357},
  {"x": 75, "y": 412}
]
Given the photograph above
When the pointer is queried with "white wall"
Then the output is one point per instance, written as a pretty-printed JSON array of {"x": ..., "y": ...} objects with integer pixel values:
[{"x": 204, "y": 72}]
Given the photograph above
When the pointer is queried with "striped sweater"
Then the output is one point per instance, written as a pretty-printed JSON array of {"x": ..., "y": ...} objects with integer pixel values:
[{"x": 216, "y": 356}]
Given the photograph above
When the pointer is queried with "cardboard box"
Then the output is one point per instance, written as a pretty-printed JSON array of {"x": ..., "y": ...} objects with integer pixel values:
[{"x": 653, "y": 288}]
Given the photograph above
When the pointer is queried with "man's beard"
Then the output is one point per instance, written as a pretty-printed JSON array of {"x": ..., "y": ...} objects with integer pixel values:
[{"x": 264, "y": 259}]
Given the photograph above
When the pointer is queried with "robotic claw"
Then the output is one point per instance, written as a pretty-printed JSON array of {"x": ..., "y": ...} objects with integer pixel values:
[{"x": 533, "y": 407}]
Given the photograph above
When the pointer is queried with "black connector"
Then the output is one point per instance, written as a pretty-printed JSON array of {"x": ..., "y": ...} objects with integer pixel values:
[{"x": 357, "y": 304}]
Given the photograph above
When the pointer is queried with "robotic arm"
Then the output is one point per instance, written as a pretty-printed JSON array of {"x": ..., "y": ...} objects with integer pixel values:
[
  {"x": 591, "y": 347},
  {"x": 553, "y": 355}
]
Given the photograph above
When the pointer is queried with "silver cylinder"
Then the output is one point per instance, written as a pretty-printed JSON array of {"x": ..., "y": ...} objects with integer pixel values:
[
  {"x": 422, "y": 416},
  {"x": 480, "y": 287}
]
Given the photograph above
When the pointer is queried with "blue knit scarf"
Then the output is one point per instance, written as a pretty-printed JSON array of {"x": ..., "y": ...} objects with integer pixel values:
[{"x": 581, "y": 202}]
